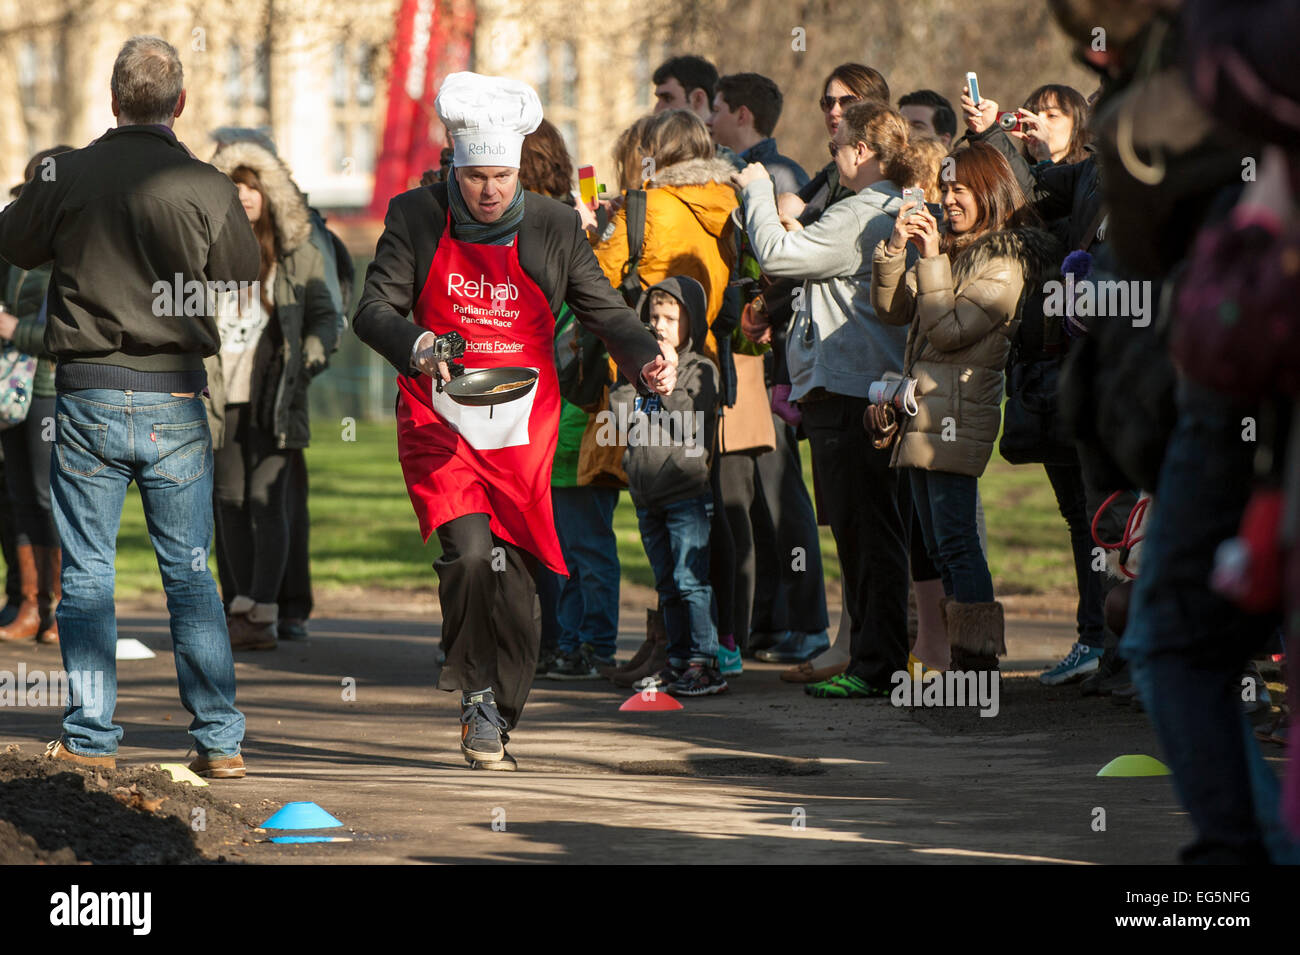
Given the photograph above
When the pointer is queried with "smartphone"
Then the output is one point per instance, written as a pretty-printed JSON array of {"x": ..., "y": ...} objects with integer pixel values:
[
  {"x": 587, "y": 186},
  {"x": 973, "y": 84},
  {"x": 916, "y": 195}
]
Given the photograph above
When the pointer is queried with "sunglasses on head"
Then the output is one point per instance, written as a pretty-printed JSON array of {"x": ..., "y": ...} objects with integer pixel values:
[{"x": 827, "y": 103}]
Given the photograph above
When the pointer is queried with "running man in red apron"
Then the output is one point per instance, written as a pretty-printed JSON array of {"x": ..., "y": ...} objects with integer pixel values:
[{"x": 481, "y": 257}]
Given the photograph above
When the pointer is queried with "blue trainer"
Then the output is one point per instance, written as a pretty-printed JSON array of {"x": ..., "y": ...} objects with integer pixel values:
[
  {"x": 729, "y": 661},
  {"x": 1078, "y": 663}
]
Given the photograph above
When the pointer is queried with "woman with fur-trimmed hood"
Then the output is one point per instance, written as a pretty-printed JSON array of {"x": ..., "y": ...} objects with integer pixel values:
[
  {"x": 274, "y": 340},
  {"x": 688, "y": 210},
  {"x": 962, "y": 300}
]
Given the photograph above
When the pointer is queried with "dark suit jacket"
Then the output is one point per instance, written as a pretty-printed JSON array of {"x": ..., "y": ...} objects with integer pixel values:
[{"x": 553, "y": 251}]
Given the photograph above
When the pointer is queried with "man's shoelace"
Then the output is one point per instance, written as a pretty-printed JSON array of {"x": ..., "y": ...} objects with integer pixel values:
[{"x": 484, "y": 711}]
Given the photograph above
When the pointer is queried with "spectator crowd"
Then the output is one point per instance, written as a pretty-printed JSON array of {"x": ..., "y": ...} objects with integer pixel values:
[{"x": 1102, "y": 283}]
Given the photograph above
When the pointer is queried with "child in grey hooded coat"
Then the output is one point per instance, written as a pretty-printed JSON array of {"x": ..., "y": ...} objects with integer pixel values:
[{"x": 669, "y": 442}]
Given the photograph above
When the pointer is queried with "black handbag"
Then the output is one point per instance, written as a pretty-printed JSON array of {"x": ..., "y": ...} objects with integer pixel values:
[{"x": 1033, "y": 429}]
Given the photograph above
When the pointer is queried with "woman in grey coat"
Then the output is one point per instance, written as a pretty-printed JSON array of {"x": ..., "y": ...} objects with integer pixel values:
[{"x": 835, "y": 348}]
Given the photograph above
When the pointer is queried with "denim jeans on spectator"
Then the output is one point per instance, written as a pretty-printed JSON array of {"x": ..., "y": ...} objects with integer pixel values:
[
  {"x": 106, "y": 439},
  {"x": 587, "y": 609},
  {"x": 945, "y": 506},
  {"x": 676, "y": 539},
  {"x": 1188, "y": 646}
]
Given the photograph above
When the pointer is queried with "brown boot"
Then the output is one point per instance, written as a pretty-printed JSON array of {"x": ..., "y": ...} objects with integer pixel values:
[
  {"x": 977, "y": 633},
  {"x": 655, "y": 659},
  {"x": 28, "y": 621},
  {"x": 49, "y": 575},
  {"x": 56, "y": 750},
  {"x": 253, "y": 628},
  {"x": 223, "y": 767},
  {"x": 654, "y": 624}
]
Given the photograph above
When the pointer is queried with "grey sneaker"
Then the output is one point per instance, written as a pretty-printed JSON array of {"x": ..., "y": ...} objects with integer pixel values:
[
  {"x": 669, "y": 675},
  {"x": 482, "y": 729},
  {"x": 582, "y": 665}
]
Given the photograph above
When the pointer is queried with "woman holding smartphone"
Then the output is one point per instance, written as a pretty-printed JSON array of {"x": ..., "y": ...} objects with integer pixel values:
[{"x": 961, "y": 301}]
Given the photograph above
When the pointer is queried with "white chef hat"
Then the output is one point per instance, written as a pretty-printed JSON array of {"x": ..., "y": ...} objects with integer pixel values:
[{"x": 487, "y": 117}]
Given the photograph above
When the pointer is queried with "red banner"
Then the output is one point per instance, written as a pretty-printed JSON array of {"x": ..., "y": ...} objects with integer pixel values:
[{"x": 433, "y": 38}]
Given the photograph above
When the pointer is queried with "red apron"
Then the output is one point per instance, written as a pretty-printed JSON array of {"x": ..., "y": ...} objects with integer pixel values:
[{"x": 493, "y": 460}]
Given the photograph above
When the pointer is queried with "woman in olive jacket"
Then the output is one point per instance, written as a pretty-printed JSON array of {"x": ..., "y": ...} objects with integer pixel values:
[
  {"x": 274, "y": 340},
  {"x": 962, "y": 299}
]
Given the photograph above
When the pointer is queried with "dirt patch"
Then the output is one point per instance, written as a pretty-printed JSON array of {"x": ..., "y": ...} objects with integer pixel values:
[
  {"x": 1027, "y": 706},
  {"x": 60, "y": 813},
  {"x": 724, "y": 766}
]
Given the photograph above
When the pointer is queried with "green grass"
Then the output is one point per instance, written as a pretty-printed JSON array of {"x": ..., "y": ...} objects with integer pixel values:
[{"x": 365, "y": 534}]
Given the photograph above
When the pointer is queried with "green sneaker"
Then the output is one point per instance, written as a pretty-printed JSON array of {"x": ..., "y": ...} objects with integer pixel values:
[{"x": 844, "y": 687}]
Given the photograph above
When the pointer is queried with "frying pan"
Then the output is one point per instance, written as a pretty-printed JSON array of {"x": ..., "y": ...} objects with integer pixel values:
[{"x": 475, "y": 387}]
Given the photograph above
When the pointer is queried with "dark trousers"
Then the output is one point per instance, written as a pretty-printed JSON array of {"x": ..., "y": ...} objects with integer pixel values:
[
  {"x": 8, "y": 539},
  {"x": 789, "y": 593},
  {"x": 491, "y": 627},
  {"x": 1188, "y": 645},
  {"x": 250, "y": 484},
  {"x": 295, "y": 590},
  {"x": 922, "y": 567},
  {"x": 864, "y": 504},
  {"x": 736, "y": 476},
  {"x": 722, "y": 559},
  {"x": 27, "y": 448},
  {"x": 1072, "y": 501}
]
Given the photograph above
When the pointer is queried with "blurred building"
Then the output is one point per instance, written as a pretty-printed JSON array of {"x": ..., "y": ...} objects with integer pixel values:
[
  {"x": 312, "y": 73},
  {"x": 315, "y": 75},
  {"x": 590, "y": 62},
  {"x": 309, "y": 72}
]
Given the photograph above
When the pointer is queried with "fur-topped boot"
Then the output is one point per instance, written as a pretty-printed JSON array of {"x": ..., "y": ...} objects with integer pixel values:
[{"x": 977, "y": 633}]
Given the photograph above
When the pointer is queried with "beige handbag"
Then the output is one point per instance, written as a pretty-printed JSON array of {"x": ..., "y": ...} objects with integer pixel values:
[
  {"x": 747, "y": 426},
  {"x": 600, "y": 464}
]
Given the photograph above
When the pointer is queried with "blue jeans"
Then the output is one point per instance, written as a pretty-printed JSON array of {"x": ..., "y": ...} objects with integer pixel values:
[
  {"x": 1188, "y": 646},
  {"x": 945, "y": 507},
  {"x": 586, "y": 607},
  {"x": 676, "y": 539},
  {"x": 105, "y": 440}
]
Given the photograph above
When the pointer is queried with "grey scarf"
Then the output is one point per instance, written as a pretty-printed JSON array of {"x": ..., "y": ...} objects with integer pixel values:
[{"x": 468, "y": 229}]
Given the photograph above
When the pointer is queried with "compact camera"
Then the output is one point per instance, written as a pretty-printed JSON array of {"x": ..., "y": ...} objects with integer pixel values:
[
  {"x": 1009, "y": 121},
  {"x": 896, "y": 390},
  {"x": 448, "y": 347}
]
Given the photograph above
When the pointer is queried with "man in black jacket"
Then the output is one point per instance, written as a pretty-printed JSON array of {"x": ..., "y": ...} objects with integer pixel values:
[
  {"x": 137, "y": 229},
  {"x": 480, "y": 257}
]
